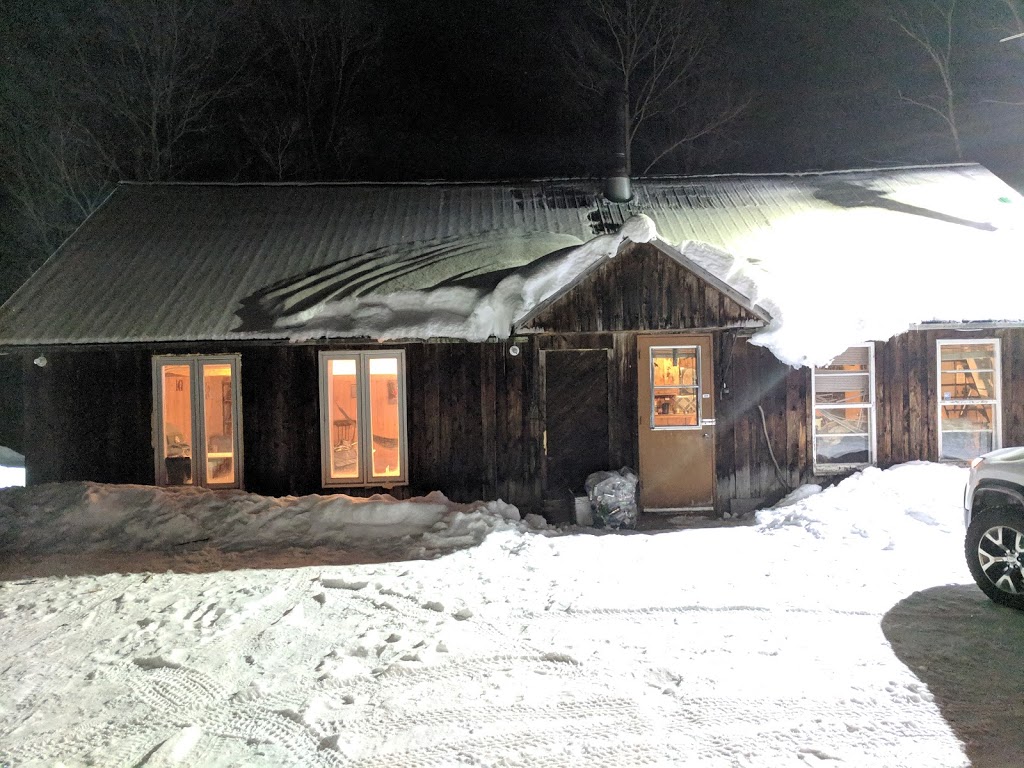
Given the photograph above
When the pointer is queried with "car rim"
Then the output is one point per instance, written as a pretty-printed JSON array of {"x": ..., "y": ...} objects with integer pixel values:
[{"x": 1001, "y": 555}]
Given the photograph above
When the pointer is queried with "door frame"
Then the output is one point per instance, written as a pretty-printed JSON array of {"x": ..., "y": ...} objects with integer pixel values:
[{"x": 706, "y": 425}]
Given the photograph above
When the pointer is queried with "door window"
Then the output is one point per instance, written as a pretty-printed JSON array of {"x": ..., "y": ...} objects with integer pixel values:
[{"x": 675, "y": 387}]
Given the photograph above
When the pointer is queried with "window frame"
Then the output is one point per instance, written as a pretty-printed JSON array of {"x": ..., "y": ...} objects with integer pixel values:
[
  {"x": 996, "y": 403},
  {"x": 827, "y": 468},
  {"x": 364, "y": 436},
  {"x": 198, "y": 405},
  {"x": 698, "y": 388}
]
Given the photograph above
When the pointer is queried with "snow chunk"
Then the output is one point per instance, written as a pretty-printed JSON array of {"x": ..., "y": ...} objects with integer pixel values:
[{"x": 639, "y": 229}]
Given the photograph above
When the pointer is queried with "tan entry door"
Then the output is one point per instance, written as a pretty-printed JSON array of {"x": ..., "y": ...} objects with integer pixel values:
[{"x": 677, "y": 423}]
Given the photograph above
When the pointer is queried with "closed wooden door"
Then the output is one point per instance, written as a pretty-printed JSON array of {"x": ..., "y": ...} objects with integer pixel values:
[
  {"x": 676, "y": 419},
  {"x": 575, "y": 418}
]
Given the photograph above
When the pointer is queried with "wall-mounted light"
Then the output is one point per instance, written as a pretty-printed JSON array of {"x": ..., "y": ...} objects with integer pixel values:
[
  {"x": 40, "y": 361},
  {"x": 514, "y": 350}
]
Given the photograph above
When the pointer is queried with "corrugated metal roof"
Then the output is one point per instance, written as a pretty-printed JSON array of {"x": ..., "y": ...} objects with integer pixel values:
[{"x": 175, "y": 262}]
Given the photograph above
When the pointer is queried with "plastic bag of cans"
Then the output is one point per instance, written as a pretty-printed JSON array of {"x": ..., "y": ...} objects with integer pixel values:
[{"x": 613, "y": 498}]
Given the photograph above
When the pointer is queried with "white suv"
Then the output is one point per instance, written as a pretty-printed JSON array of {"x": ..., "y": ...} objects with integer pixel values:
[{"x": 994, "y": 515}]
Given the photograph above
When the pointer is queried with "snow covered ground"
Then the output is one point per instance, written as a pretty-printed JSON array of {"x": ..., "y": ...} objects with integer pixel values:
[{"x": 151, "y": 627}]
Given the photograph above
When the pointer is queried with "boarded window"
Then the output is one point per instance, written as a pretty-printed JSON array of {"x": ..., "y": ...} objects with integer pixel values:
[
  {"x": 362, "y": 407},
  {"x": 197, "y": 440},
  {"x": 844, "y": 411},
  {"x": 969, "y": 407}
]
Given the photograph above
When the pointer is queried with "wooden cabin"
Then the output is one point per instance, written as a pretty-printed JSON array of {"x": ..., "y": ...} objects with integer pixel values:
[{"x": 297, "y": 339}]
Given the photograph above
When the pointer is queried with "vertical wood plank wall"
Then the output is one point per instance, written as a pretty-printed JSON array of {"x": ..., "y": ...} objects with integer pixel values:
[
  {"x": 475, "y": 421},
  {"x": 907, "y": 392}
]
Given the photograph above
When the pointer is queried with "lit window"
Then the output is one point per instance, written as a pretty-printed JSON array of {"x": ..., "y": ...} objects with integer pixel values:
[
  {"x": 362, "y": 408},
  {"x": 675, "y": 387},
  {"x": 969, "y": 411},
  {"x": 198, "y": 420},
  {"x": 844, "y": 411}
]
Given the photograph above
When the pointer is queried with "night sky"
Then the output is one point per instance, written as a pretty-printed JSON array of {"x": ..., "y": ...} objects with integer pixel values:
[{"x": 472, "y": 90}]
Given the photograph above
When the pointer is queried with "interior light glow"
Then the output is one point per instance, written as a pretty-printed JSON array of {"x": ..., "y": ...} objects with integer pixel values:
[
  {"x": 343, "y": 367},
  {"x": 383, "y": 366}
]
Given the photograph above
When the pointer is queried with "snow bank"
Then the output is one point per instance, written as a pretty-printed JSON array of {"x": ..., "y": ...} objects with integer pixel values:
[
  {"x": 79, "y": 517},
  {"x": 884, "y": 508}
]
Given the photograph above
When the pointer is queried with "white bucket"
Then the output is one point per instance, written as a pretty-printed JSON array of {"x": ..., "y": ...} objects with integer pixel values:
[{"x": 584, "y": 514}]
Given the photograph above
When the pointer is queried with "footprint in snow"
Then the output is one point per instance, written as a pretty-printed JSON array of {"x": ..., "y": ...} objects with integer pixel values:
[{"x": 331, "y": 583}]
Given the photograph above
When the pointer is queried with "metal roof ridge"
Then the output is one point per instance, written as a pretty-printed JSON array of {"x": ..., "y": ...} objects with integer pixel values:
[
  {"x": 354, "y": 183},
  {"x": 549, "y": 179}
]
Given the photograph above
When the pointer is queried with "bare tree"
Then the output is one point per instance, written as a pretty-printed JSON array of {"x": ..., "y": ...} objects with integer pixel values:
[
  {"x": 929, "y": 24},
  {"x": 318, "y": 54},
  {"x": 662, "y": 56},
  {"x": 153, "y": 72}
]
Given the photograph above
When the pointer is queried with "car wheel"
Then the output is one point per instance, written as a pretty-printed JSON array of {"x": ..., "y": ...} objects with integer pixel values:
[{"x": 995, "y": 554}]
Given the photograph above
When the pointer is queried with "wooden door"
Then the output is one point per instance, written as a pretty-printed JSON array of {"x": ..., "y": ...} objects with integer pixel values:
[
  {"x": 676, "y": 419},
  {"x": 575, "y": 418}
]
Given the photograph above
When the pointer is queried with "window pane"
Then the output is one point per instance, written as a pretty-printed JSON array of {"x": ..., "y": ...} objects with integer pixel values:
[
  {"x": 967, "y": 431},
  {"x": 968, "y": 371},
  {"x": 675, "y": 387},
  {"x": 176, "y": 382},
  {"x": 968, "y": 385},
  {"x": 974, "y": 357},
  {"x": 964, "y": 446},
  {"x": 343, "y": 410},
  {"x": 841, "y": 421},
  {"x": 967, "y": 418},
  {"x": 677, "y": 365},
  {"x": 844, "y": 449},
  {"x": 843, "y": 388},
  {"x": 676, "y": 407},
  {"x": 385, "y": 416},
  {"x": 219, "y": 423},
  {"x": 853, "y": 359}
]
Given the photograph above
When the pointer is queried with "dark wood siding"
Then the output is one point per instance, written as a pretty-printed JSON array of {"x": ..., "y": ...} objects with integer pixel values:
[
  {"x": 640, "y": 289},
  {"x": 906, "y": 378},
  {"x": 474, "y": 421},
  {"x": 12, "y": 402},
  {"x": 575, "y": 417},
  {"x": 88, "y": 417},
  {"x": 750, "y": 380},
  {"x": 475, "y": 418}
]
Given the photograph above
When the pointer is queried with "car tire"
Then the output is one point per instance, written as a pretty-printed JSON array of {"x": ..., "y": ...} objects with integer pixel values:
[{"x": 994, "y": 548}]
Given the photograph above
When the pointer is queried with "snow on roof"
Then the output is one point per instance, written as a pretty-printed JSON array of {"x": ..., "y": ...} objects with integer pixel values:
[{"x": 835, "y": 258}]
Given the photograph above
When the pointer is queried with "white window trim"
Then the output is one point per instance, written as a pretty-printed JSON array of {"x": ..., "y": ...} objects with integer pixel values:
[
  {"x": 365, "y": 439},
  {"x": 699, "y": 387},
  {"x": 997, "y": 403},
  {"x": 195, "y": 363},
  {"x": 825, "y": 468}
]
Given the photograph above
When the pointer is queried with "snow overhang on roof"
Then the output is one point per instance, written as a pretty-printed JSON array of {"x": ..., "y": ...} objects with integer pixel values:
[{"x": 828, "y": 257}]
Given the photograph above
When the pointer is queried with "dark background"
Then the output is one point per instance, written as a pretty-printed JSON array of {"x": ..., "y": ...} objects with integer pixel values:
[{"x": 403, "y": 89}]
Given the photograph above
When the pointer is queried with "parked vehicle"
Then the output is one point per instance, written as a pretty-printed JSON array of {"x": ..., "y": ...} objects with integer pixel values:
[{"x": 994, "y": 516}]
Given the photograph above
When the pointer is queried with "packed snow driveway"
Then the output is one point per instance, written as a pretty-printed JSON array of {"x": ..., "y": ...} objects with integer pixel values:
[{"x": 741, "y": 646}]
